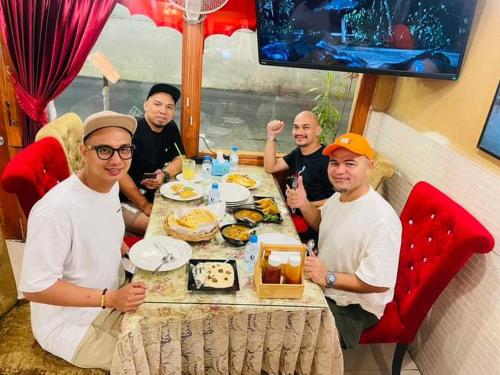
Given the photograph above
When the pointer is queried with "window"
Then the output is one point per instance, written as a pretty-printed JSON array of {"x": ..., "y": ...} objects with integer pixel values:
[{"x": 239, "y": 96}]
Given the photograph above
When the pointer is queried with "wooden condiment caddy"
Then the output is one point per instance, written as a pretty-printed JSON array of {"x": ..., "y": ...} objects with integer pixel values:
[{"x": 278, "y": 290}]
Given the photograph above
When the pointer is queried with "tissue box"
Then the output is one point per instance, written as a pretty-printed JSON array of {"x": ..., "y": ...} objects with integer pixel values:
[{"x": 220, "y": 168}]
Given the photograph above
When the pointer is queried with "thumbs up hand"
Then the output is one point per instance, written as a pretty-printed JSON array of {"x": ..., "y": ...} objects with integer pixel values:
[{"x": 296, "y": 198}]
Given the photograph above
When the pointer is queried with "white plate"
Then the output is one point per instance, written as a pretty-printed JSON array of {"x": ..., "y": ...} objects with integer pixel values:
[
  {"x": 257, "y": 182},
  {"x": 196, "y": 178},
  {"x": 147, "y": 254},
  {"x": 232, "y": 193},
  {"x": 166, "y": 191}
]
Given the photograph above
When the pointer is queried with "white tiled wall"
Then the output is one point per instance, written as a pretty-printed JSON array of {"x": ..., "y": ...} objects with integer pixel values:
[{"x": 461, "y": 334}]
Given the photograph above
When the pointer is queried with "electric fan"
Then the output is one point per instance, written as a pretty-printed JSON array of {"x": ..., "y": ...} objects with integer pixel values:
[{"x": 193, "y": 9}]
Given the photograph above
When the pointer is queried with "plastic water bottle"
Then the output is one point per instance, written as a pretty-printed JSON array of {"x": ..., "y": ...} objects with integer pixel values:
[
  {"x": 233, "y": 159},
  {"x": 206, "y": 167},
  {"x": 214, "y": 194},
  {"x": 251, "y": 253}
]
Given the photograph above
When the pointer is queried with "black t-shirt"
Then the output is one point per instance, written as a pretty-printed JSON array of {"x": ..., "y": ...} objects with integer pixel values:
[
  {"x": 315, "y": 175},
  {"x": 152, "y": 151}
]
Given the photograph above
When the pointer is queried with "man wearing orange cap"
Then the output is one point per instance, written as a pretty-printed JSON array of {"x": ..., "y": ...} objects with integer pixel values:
[{"x": 359, "y": 240}]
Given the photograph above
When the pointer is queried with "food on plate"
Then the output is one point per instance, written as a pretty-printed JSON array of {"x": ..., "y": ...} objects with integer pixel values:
[
  {"x": 270, "y": 217},
  {"x": 176, "y": 188},
  {"x": 183, "y": 191},
  {"x": 241, "y": 179},
  {"x": 237, "y": 232},
  {"x": 213, "y": 275},
  {"x": 248, "y": 214},
  {"x": 187, "y": 193},
  {"x": 268, "y": 206},
  {"x": 196, "y": 218}
]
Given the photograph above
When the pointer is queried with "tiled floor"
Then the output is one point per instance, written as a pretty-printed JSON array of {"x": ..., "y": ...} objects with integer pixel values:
[
  {"x": 365, "y": 360},
  {"x": 375, "y": 359}
]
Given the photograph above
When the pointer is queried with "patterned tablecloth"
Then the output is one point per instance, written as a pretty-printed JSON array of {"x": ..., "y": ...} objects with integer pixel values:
[{"x": 183, "y": 332}]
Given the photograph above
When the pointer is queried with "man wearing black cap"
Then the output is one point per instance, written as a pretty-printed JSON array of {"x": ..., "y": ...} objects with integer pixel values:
[{"x": 155, "y": 144}]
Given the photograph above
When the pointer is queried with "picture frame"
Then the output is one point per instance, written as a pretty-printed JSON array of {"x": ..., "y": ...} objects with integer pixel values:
[{"x": 489, "y": 141}]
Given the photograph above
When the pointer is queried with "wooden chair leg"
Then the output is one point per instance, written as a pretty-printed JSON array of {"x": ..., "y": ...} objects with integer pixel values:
[{"x": 397, "y": 360}]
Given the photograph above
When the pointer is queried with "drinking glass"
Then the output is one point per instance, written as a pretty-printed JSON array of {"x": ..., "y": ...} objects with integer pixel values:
[{"x": 188, "y": 169}]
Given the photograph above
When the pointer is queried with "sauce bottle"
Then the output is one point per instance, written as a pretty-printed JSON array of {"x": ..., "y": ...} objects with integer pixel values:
[
  {"x": 272, "y": 272},
  {"x": 293, "y": 274}
]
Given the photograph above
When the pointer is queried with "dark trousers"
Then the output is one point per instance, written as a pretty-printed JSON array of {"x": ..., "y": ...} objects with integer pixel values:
[{"x": 351, "y": 321}]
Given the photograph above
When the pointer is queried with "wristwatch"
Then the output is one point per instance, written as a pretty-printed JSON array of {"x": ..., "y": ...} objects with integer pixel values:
[
  {"x": 166, "y": 176},
  {"x": 330, "y": 279}
]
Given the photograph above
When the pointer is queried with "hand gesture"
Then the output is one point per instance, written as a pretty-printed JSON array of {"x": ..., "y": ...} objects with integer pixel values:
[
  {"x": 274, "y": 127},
  {"x": 154, "y": 183},
  {"x": 315, "y": 270},
  {"x": 296, "y": 198},
  {"x": 128, "y": 298}
]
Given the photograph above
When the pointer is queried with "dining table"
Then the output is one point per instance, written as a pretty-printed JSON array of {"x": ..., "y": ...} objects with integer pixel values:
[{"x": 181, "y": 331}]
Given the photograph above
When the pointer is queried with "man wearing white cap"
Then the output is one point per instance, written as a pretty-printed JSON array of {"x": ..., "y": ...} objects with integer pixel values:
[
  {"x": 71, "y": 268},
  {"x": 359, "y": 240}
]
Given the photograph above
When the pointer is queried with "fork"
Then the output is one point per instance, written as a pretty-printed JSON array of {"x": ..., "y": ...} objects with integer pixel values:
[
  {"x": 164, "y": 260},
  {"x": 167, "y": 253}
]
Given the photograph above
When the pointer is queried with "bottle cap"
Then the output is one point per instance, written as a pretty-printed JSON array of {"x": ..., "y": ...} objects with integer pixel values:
[
  {"x": 253, "y": 238},
  {"x": 234, "y": 148},
  {"x": 220, "y": 157},
  {"x": 294, "y": 260},
  {"x": 215, "y": 185},
  {"x": 206, "y": 157},
  {"x": 274, "y": 260}
]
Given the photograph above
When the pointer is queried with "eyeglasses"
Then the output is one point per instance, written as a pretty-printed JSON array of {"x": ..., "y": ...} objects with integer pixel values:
[{"x": 105, "y": 152}]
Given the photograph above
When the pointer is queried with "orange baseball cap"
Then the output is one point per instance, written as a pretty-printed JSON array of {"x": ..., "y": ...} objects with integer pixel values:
[{"x": 352, "y": 142}]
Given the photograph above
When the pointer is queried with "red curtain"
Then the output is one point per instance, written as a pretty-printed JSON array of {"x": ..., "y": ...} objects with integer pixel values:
[
  {"x": 48, "y": 41},
  {"x": 235, "y": 15}
]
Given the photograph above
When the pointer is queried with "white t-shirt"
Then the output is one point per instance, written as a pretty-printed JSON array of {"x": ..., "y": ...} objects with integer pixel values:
[
  {"x": 361, "y": 237},
  {"x": 74, "y": 234}
]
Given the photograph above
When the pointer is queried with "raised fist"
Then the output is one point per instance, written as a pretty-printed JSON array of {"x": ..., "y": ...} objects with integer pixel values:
[{"x": 274, "y": 127}]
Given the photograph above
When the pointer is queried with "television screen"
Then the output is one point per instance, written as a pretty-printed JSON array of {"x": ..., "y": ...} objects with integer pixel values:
[
  {"x": 420, "y": 38},
  {"x": 490, "y": 137}
]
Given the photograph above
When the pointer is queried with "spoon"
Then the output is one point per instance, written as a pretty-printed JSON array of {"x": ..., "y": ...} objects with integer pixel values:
[
  {"x": 164, "y": 260},
  {"x": 310, "y": 246},
  {"x": 248, "y": 220},
  {"x": 167, "y": 253}
]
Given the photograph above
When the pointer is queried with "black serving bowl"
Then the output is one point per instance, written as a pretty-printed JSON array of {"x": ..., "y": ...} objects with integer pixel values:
[
  {"x": 251, "y": 222},
  {"x": 233, "y": 241}
]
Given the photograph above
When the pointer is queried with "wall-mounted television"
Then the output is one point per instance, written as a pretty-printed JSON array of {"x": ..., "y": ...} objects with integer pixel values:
[
  {"x": 490, "y": 137},
  {"x": 417, "y": 38}
]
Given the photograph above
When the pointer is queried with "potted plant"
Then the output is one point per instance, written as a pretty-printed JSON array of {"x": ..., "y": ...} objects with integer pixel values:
[{"x": 326, "y": 111}]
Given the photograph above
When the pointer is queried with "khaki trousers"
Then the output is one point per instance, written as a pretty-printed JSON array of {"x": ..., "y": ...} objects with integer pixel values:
[{"x": 98, "y": 345}]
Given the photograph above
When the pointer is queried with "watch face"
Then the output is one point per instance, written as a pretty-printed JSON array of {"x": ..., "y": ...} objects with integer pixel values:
[{"x": 330, "y": 279}]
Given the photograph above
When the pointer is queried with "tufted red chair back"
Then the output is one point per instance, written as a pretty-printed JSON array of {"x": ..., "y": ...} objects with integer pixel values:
[
  {"x": 34, "y": 171},
  {"x": 439, "y": 237}
]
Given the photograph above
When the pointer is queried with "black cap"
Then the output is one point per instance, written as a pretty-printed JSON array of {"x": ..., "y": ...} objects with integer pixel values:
[{"x": 167, "y": 89}]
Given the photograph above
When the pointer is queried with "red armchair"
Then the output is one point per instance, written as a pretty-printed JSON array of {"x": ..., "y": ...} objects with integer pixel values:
[
  {"x": 439, "y": 237},
  {"x": 37, "y": 169},
  {"x": 34, "y": 171}
]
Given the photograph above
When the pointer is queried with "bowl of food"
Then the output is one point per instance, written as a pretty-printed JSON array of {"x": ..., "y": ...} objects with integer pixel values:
[
  {"x": 236, "y": 234},
  {"x": 250, "y": 216}
]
